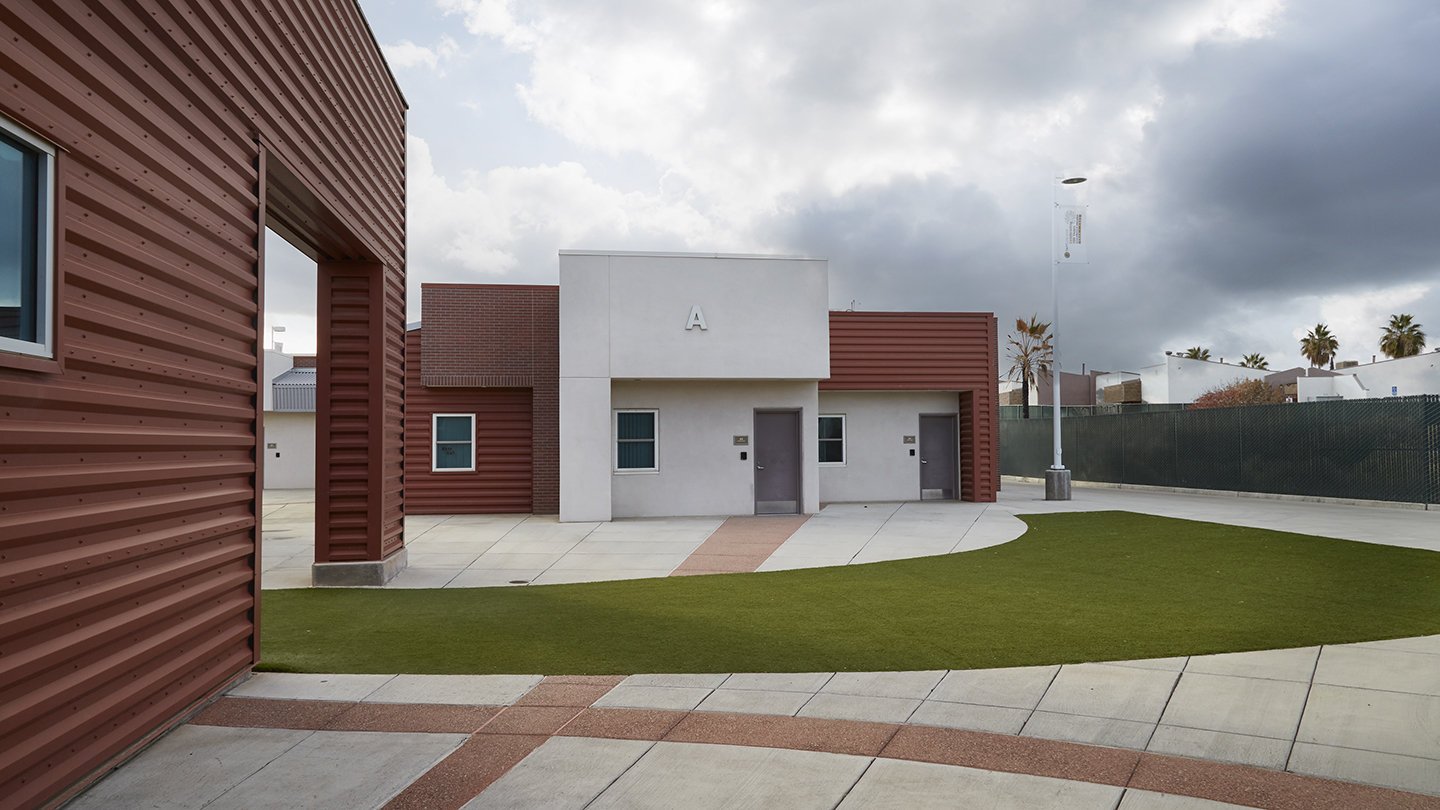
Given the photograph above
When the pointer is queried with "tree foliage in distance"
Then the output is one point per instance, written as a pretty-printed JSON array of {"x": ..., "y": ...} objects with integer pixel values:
[
  {"x": 1197, "y": 353},
  {"x": 1239, "y": 392},
  {"x": 1256, "y": 360},
  {"x": 1402, "y": 338},
  {"x": 1031, "y": 354},
  {"x": 1319, "y": 347}
]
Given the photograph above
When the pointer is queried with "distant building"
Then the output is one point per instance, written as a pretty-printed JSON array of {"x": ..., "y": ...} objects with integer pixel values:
[
  {"x": 289, "y": 399},
  {"x": 1400, "y": 377},
  {"x": 1177, "y": 380}
]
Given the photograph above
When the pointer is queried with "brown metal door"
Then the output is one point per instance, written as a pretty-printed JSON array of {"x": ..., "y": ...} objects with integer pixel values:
[
  {"x": 937, "y": 458},
  {"x": 777, "y": 462}
]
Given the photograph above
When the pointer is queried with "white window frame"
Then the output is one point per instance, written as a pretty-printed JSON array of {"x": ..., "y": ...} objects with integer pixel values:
[
  {"x": 844, "y": 439},
  {"x": 615, "y": 442},
  {"x": 435, "y": 443},
  {"x": 44, "y": 344}
]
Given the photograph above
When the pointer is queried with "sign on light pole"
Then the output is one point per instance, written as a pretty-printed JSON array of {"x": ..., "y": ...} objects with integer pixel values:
[{"x": 1067, "y": 246}]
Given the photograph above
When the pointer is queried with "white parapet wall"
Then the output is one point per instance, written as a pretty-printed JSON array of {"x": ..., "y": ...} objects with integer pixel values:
[
  {"x": 1402, "y": 377},
  {"x": 878, "y": 465},
  {"x": 643, "y": 317}
]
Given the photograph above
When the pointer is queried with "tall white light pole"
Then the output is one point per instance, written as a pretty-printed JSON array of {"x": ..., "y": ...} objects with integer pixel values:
[{"x": 1057, "y": 478}]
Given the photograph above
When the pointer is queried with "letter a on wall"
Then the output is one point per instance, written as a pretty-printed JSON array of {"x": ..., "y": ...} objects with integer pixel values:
[{"x": 697, "y": 318}]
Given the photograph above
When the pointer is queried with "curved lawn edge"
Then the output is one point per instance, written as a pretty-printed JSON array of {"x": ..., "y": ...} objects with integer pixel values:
[{"x": 1097, "y": 586}]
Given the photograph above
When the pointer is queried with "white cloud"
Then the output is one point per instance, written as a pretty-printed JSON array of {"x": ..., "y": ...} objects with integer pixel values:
[{"x": 407, "y": 54}]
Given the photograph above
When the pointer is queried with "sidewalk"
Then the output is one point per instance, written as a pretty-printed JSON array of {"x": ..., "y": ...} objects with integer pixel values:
[
  {"x": 1349, "y": 726},
  {"x": 1345, "y": 727}
]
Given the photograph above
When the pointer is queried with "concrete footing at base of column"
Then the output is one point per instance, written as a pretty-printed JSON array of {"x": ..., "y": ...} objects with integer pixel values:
[
  {"x": 1057, "y": 485},
  {"x": 357, "y": 574}
]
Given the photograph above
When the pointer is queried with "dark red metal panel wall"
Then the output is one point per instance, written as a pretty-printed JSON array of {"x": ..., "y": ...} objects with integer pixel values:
[
  {"x": 498, "y": 335},
  {"x": 928, "y": 351},
  {"x": 502, "y": 479},
  {"x": 128, "y": 561}
]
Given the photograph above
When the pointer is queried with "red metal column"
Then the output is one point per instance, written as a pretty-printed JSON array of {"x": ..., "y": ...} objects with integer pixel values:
[{"x": 359, "y": 509}]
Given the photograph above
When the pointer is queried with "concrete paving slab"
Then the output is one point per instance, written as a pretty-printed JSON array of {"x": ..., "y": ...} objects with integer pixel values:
[
  {"x": 619, "y": 562},
  {"x": 281, "y": 578},
  {"x": 342, "y": 770},
  {"x": 900, "y": 785},
  {"x": 494, "y": 560},
  {"x": 188, "y": 768},
  {"x": 1176, "y": 664},
  {"x": 440, "y": 559},
  {"x": 753, "y": 701},
  {"x": 859, "y": 707},
  {"x": 701, "y": 777},
  {"x": 778, "y": 681},
  {"x": 471, "y": 690},
  {"x": 412, "y": 577},
  {"x": 566, "y": 773},
  {"x": 885, "y": 684},
  {"x": 303, "y": 686},
  {"x": 1379, "y": 668},
  {"x": 493, "y": 578},
  {"x": 559, "y": 576},
  {"x": 994, "y": 719},
  {"x": 1106, "y": 731},
  {"x": 1146, "y": 800},
  {"x": 653, "y": 697},
  {"x": 513, "y": 545},
  {"x": 625, "y": 547},
  {"x": 1415, "y": 774},
  {"x": 1252, "y": 706},
  {"x": 1296, "y": 664},
  {"x": 1016, "y": 687},
  {"x": 1105, "y": 690},
  {"x": 1388, "y": 722},
  {"x": 776, "y": 563},
  {"x": 1219, "y": 746},
  {"x": 1421, "y": 644},
  {"x": 708, "y": 680}
]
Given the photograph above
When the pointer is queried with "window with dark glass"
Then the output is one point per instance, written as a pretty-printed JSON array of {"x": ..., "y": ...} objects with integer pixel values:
[
  {"x": 635, "y": 440},
  {"x": 454, "y": 441},
  {"x": 26, "y": 182},
  {"x": 832, "y": 440}
]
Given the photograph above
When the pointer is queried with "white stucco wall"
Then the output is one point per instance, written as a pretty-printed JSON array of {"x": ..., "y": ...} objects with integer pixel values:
[
  {"x": 1181, "y": 379},
  {"x": 878, "y": 464},
  {"x": 700, "y": 471},
  {"x": 293, "y": 435},
  {"x": 1409, "y": 376},
  {"x": 624, "y": 316},
  {"x": 275, "y": 364},
  {"x": 1345, "y": 386}
]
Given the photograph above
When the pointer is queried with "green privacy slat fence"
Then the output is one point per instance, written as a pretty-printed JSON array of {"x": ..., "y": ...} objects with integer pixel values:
[{"x": 1375, "y": 449}]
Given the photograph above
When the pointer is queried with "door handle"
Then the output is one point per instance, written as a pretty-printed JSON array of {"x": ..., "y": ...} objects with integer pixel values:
[
  {"x": 923, "y": 461},
  {"x": 759, "y": 467}
]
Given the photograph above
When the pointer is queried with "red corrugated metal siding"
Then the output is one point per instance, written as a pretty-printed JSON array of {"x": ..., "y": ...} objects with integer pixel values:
[
  {"x": 928, "y": 351},
  {"x": 501, "y": 481},
  {"x": 127, "y": 468}
]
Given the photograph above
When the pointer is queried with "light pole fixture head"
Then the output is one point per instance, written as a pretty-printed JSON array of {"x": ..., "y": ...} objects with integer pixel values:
[{"x": 1070, "y": 181}]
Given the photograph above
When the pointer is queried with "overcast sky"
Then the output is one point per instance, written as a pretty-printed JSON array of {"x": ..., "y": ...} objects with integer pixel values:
[{"x": 1256, "y": 166}]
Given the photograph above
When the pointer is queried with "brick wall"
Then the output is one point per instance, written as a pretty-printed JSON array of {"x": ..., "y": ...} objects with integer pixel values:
[{"x": 500, "y": 336}]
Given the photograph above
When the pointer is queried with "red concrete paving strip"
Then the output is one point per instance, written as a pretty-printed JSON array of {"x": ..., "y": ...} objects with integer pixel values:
[
  {"x": 531, "y": 720},
  {"x": 740, "y": 545},
  {"x": 780, "y": 731},
  {"x": 419, "y": 718},
  {"x": 469, "y": 769},
  {"x": 1272, "y": 790},
  {"x": 299, "y": 715},
  {"x": 1002, "y": 752},
  {"x": 566, "y": 693},
  {"x": 622, "y": 724}
]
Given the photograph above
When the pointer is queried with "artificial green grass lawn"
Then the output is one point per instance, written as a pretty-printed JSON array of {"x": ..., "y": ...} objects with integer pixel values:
[{"x": 1076, "y": 587}]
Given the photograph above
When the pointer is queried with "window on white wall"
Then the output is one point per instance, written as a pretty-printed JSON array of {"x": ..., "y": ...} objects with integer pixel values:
[
  {"x": 27, "y": 202},
  {"x": 454, "y": 449},
  {"x": 636, "y": 441},
  {"x": 832, "y": 439}
]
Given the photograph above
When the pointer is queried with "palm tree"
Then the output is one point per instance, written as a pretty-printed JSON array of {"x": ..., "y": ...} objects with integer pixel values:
[
  {"x": 1402, "y": 338},
  {"x": 1319, "y": 346},
  {"x": 1031, "y": 354},
  {"x": 1256, "y": 360},
  {"x": 1197, "y": 353}
]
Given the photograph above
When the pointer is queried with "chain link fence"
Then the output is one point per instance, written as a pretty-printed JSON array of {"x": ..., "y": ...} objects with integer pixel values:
[{"x": 1375, "y": 449}]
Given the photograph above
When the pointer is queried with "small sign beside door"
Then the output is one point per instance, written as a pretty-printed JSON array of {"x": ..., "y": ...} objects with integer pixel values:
[
  {"x": 909, "y": 440},
  {"x": 741, "y": 441}
]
